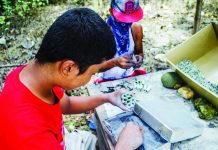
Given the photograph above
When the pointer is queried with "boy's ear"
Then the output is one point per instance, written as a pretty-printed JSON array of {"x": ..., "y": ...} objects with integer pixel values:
[{"x": 69, "y": 67}]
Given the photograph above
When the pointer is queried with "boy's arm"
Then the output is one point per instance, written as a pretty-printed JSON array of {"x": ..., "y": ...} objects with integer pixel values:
[
  {"x": 79, "y": 104},
  {"x": 131, "y": 136},
  {"x": 137, "y": 32}
]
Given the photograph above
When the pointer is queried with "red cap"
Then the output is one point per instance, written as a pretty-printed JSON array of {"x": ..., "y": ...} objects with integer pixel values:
[{"x": 127, "y": 11}]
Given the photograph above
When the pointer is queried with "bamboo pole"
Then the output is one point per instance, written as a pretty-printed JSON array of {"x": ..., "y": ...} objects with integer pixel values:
[{"x": 197, "y": 19}]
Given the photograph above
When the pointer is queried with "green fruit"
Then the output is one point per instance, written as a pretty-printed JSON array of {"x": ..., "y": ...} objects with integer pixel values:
[
  {"x": 171, "y": 80},
  {"x": 198, "y": 102},
  {"x": 186, "y": 92},
  {"x": 205, "y": 110}
]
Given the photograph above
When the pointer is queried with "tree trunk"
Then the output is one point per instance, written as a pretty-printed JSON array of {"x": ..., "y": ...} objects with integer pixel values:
[
  {"x": 1, "y": 7},
  {"x": 197, "y": 19}
]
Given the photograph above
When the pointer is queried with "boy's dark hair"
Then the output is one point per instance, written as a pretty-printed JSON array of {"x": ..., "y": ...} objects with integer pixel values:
[{"x": 79, "y": 35}]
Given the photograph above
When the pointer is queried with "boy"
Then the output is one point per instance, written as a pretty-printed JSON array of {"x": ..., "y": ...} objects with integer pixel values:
[
  {"x": 32, "y": 100},
  {"x": 128, "y": 33}
]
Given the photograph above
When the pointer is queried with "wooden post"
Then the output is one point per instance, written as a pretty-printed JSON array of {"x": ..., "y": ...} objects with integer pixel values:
[{"x": 197, "y": 19}]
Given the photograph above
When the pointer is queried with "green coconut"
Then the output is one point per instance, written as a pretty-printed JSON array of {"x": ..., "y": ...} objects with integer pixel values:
[{"x": 171, "y": 80}]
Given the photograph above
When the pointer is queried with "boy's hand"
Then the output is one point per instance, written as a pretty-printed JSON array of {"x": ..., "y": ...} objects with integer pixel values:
[
  {"x": 124, "y": 62},
  {"x": 115, "y": 99},
  {"x": 130, "y": 138},
  {"x": 138, "y": 60}
]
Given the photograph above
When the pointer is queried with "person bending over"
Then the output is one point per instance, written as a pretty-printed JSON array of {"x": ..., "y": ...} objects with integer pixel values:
[{"x": 32, "y": 100}]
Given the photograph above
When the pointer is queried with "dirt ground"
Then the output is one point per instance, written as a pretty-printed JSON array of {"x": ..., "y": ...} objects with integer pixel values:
[{"x": 165, "y": 25}]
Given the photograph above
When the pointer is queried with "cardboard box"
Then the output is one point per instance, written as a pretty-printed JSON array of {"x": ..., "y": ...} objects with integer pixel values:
[
  {"x": 152, "y": 140},
  {"x": 202, "y": 50},
  {"x": 169, "y": 119}
]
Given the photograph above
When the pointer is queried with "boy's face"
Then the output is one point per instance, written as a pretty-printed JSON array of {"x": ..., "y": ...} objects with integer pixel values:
[{"x": 70, "y": 77}]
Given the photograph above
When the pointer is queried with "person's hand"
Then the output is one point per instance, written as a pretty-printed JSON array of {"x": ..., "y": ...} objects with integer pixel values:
[
  {"x": 115, "y": 99},
  {"x": 124, "y": 62},
  {"x": 130, "y": 138},
  {"x": 138, "y": 60}
]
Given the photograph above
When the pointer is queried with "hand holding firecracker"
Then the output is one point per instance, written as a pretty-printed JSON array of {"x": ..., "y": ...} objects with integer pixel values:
[
  {"x": 138, "y": 60},
  {"x": 128, "y": 101}
]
